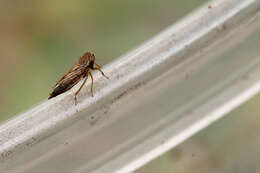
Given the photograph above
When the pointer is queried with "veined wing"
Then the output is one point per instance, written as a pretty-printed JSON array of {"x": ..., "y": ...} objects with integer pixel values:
[
  {"x": 71, "y": 78},
  {"x": 72, "y": 73}
]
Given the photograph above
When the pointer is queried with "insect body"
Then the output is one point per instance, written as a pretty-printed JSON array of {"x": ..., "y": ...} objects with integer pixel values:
[{"x": 82, "y": 69}]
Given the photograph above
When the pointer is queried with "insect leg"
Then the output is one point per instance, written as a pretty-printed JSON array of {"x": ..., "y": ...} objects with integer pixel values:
[
  {"x": 91, "y": 83},
  {"x": 85, "y": 80},
  {"x": 99, "y": 69},
  {"x": 97, "y": 65}
]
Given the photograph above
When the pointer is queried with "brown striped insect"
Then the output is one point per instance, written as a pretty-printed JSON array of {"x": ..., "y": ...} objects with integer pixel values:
[{"x": 81, "y": 70}]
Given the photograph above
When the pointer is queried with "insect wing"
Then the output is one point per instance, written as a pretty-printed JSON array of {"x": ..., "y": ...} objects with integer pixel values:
[
  {"x": 68, "y": 80},
  {"x": 71, "y": 75}
]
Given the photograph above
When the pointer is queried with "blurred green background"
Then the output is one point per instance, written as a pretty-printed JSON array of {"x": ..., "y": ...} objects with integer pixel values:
[{"x": 41, "y": 40}]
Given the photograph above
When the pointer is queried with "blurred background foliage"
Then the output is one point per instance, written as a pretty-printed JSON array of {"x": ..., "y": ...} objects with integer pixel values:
[{"x": 41, "y": 40}]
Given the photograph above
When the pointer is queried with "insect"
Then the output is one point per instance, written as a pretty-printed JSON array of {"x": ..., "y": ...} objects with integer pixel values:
[{"x": 81, "y": 70}]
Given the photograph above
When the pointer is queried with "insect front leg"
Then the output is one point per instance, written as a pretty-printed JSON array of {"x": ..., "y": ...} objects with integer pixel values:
[
  {"x": 99, "y": 69},
  {"x": 85, "y": 80}
]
